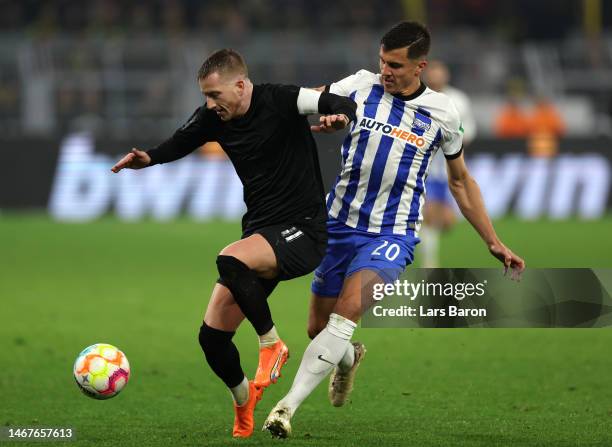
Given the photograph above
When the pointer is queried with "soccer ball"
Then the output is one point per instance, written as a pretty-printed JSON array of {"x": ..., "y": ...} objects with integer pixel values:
[{"x": 101, "y": 371}]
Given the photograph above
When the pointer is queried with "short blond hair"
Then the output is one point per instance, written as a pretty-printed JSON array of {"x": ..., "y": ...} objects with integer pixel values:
[{"x": 222, "y": 62}]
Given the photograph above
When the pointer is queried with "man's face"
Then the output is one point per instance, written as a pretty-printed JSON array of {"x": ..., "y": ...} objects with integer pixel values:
[
  {"x": 223, "y": 94},
  {"x": 397, "y": 71}
]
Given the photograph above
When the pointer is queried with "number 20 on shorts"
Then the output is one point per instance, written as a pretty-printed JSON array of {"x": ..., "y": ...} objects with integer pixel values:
[{"x": 389, "y": 251}]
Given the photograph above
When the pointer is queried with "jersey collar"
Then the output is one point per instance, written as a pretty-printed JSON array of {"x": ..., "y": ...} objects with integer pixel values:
[{"x": 412, "y": 96}]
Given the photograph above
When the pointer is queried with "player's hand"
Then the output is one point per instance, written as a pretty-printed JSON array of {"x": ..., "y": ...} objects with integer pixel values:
[
  {"x": 513, "y": 263},
  {"x": 331, "y": 123},
  {"x": 136, "y": 159}
]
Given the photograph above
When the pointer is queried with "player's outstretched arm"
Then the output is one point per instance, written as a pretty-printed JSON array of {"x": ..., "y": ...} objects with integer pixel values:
[
  {"x": 198, "y": 129},
  {"x": 135, "y": 159},
  {"x": 466, "y": 192}
]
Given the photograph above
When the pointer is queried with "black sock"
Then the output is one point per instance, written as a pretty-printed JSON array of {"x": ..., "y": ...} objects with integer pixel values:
[
  {"x": 221, "y": 354},
  {"x": 249, "y": 291}
]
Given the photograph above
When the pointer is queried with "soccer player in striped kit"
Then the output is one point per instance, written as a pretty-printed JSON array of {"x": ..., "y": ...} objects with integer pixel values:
[{"x": 374, "y": 208}]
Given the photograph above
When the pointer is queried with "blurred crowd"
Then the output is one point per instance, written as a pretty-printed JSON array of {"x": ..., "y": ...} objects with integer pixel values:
[
  {"x": 107, "y": 18},
  {"x": 89, "y": 62},
  {"x": 515, "y": 20}
]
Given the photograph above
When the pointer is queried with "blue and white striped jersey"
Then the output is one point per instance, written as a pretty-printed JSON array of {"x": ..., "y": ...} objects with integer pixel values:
[{"x": 385, "y": 157}]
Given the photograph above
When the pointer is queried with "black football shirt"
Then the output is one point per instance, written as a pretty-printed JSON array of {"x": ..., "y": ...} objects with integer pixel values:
[{"x": 272, "y": 150}]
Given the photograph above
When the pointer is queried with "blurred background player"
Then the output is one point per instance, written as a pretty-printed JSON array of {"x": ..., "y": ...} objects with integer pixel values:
[{"x": 438, "y": 212}]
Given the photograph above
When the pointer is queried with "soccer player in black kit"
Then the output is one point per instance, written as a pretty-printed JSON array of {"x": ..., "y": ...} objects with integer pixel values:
[{"x": 264, "y": 131}]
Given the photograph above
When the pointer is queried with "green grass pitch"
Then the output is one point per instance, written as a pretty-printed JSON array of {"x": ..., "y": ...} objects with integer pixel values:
[{"x": 144, "y": 288}]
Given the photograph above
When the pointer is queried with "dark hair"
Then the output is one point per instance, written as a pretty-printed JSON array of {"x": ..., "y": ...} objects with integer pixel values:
[
  {"x": 413, "y": 35},
  {"x": 223, "y": 61}
]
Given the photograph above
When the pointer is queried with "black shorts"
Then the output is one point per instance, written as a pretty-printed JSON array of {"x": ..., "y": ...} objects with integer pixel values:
[{"x": 299, "y": 246}]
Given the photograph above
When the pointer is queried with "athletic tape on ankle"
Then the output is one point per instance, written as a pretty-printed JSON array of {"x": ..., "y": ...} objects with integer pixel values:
[{"x": 340, "y": 326}]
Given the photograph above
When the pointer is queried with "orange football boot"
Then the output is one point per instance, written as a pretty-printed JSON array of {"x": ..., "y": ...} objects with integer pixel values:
[
  {"x": 271, "y": 360},
  {"x": 243, "y": 414}
]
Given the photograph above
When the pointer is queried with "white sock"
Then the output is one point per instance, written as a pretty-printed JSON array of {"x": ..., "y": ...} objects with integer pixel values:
[
  {"x": 430, "y": 243},
  {"x": 348, "y": 359},
  {"x": 269, "y": 338},
  {"x": 321, "y": 356},
  {"x": 240, "y": 393}
]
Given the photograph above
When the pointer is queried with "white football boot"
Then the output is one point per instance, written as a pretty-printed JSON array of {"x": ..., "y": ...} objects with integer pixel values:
[
  {"x": 278, "y": 422},
  {"x": 341, "y": 382}
]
